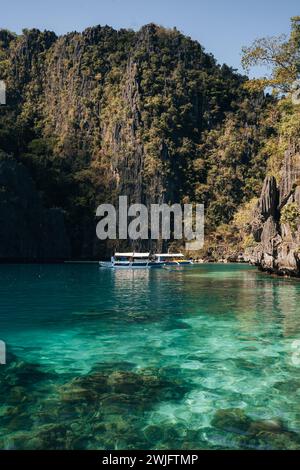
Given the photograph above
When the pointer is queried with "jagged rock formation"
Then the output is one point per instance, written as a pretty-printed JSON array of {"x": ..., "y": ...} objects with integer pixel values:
[
  {"x": 28, "y": 231},
  {"x": 146, "y": 114},
  {"x": 276, "y": 226}
]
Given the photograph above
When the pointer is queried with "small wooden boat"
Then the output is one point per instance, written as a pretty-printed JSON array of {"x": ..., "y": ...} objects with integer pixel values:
[
  {"x": 172, "y": 259},
  {"x": 130, "y": 260}
]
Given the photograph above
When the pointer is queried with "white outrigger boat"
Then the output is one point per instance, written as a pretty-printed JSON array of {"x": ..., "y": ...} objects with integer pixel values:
[
  {"x": 172, "y": 259},
  {"x": 134, "y": 260},
  {"x": 128, "y": 261}
]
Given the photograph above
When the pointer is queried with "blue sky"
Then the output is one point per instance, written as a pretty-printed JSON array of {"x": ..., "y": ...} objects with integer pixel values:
[{"x": 221, "y": 26}]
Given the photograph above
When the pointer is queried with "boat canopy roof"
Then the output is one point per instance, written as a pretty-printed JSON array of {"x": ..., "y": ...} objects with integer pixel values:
[
  {"x": 169, "y": 255},
  {"x": 132, "y": 255}
]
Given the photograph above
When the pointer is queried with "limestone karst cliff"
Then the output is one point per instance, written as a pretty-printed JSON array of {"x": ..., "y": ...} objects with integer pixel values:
[
  {"x": 276, "y": 226},
  {"x": 146, "y": 114}
]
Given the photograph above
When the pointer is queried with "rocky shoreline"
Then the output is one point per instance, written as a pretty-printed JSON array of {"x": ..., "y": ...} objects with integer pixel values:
[{"x": 276, "y": 224}]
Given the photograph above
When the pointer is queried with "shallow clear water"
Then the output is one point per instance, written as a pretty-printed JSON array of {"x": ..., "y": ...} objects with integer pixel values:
[{"x": 174, "y": 347}]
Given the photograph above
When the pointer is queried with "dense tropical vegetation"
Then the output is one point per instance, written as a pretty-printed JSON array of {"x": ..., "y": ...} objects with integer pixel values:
[{"x": 149, "y": 114}]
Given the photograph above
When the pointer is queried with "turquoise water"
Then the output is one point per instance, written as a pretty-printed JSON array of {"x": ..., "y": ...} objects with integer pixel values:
[{"x": 200, "y": 357}]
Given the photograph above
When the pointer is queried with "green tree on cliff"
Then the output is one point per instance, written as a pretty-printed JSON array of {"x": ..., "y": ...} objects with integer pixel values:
[{"x": 281, "y": 54}]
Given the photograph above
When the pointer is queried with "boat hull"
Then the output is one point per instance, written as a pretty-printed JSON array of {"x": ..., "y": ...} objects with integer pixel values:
[
  {"x": 150, "y": 264},
  {"x": 178, "y": 263},
  {"x": 156, "y": 265},
  {"x": 110, "y": 265}
]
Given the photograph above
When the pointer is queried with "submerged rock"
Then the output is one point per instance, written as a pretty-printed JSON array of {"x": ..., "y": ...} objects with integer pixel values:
[
  {"x": 288, "y": 386},
  {"x": 103, "y": 409},
  {"x": 232, "y": 420},
  {"x": 124, "y": 382},
  {"x": 269, "y": 425},
  {"x": 266, "y": 434},
  {"x": 153, "y": 433},
  {"x": 268, "y": 440},
  {"x": 123, "y": 386}
]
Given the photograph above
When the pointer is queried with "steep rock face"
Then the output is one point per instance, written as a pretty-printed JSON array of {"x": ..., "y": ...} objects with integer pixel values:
[
  {"x": 27, "y": 230},
  {"x": 103, "y": 113},
  {"x": 269, "y": 198},
  {"x": 290, "y": 176},
  {"x": 276, "y": 225}
]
